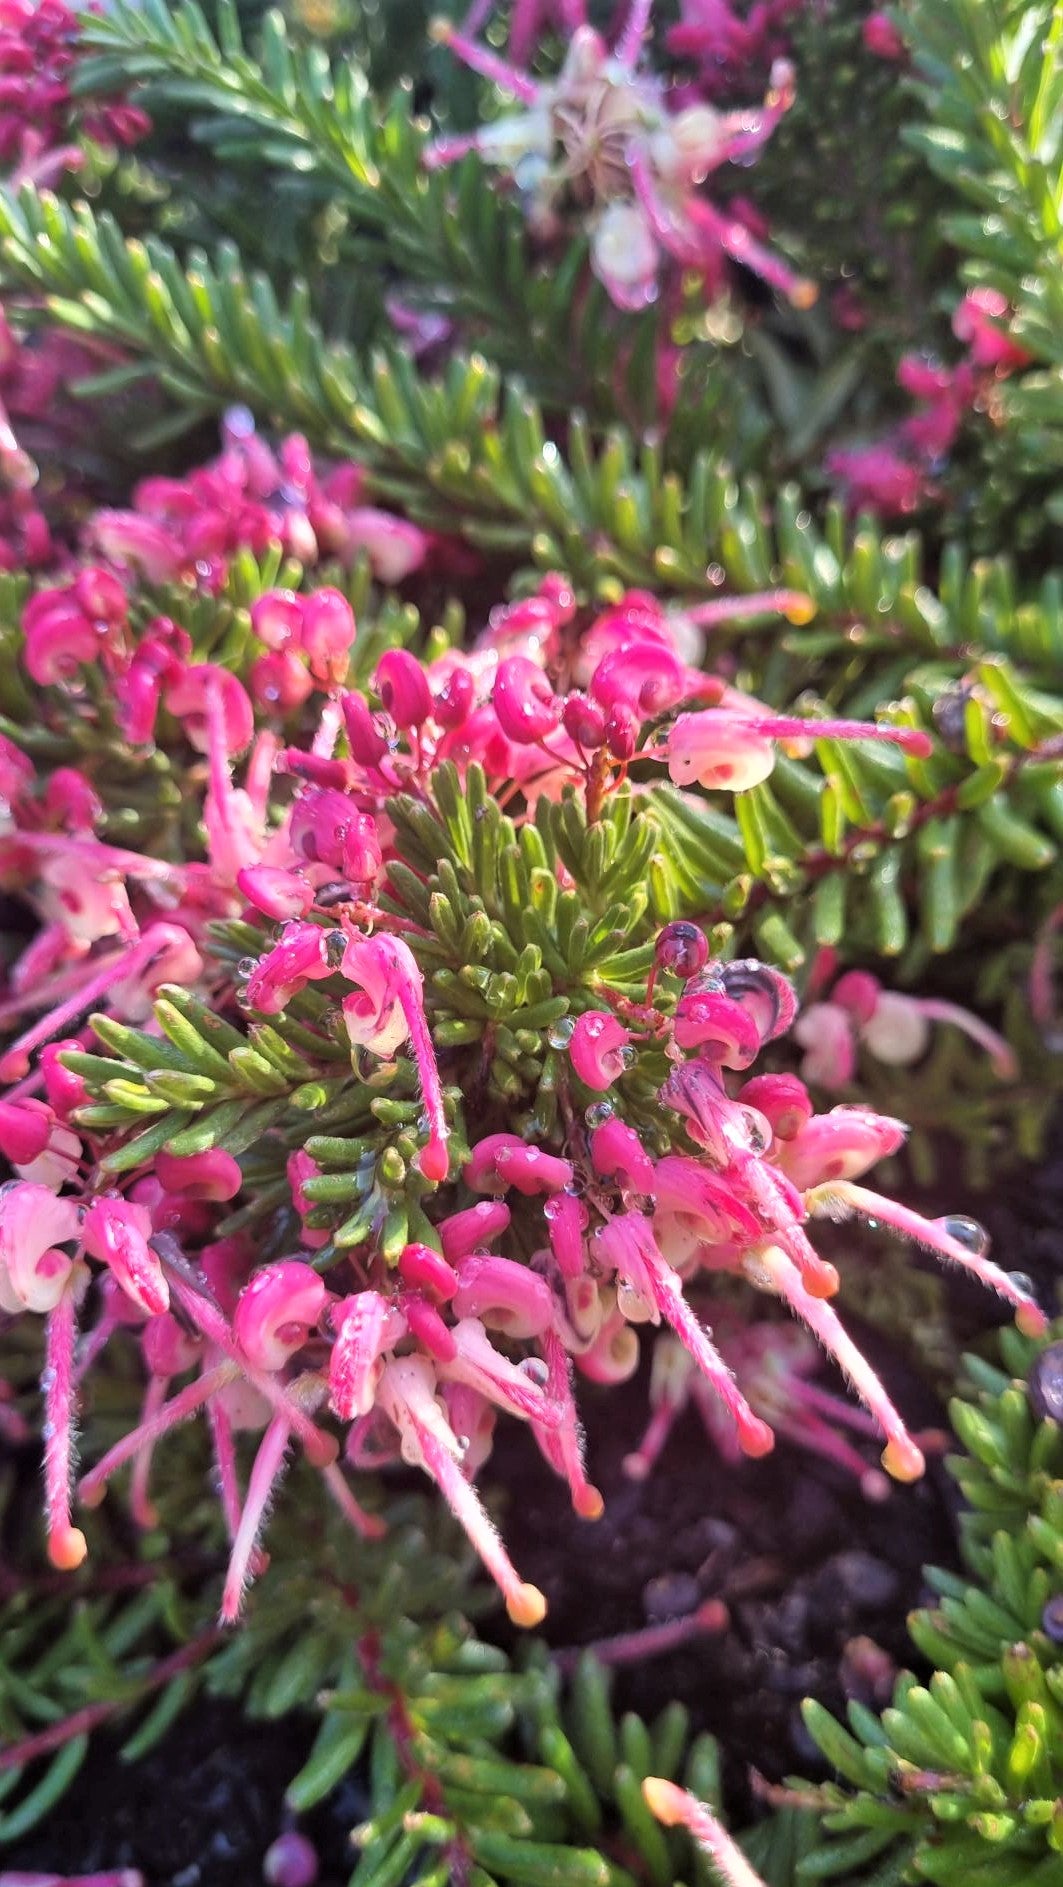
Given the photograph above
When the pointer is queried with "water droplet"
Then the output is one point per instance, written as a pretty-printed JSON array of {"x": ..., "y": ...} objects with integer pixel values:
[
  {"x": 758, "y": 1134},
  {"x": 966, "y": 1232},
  {"x": 559, "y": 1035},
  {"x": 1046, "y": 1384},
  {"x": 535, "y": 1369},
  {"x": 47, "y": 1380},
  {"x": 1022, "y": 1282},
  {"x": 247, "y": 966},
  {"x": 599, "y": 1113},
  {"x": 1052, "y": 1619},
  {"x": 627, "y": 1056}
]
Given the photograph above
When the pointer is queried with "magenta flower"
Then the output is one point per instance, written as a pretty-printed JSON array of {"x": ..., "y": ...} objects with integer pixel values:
[
  {"x": 524, "y": 701},
  {"x": 116, "y": 1232},
  {"x": 299, "y": 958},
  {"x": 721, "y": 747},
  {"x": 34, "y": 1224},
  {"x": 599, "y": 1049},
  {"x": 501, "y": 1161},
  {"x": 276, "y": 1311},
  {"x": 367, "y": 1328},
  {"x": 389, "y": 1010}
]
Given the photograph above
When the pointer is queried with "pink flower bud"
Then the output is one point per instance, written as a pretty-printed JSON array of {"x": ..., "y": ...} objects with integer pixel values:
[
  {"x": 33, "y": 1223},
  {"x": 427, "y": 1328},
  {"x": 622, "y": 731},
  {"x": 276, "y": 1312},
  {"x": 454, "y": 699},
  {"x": 504, "y": 1296},
  {"x": 881, "y": 37},
  {"x": 467, "y": 1231},
  {"x": 583, "y": 721},
  {"x": 502, "y": 1161},
  {"x": 327, "y": 828},
  {"x": 618, "y": 1153},
  {"x": 212, "y": 1175},
  {"x": 277, "y": 619},
  {"x": 25, "y": 1130},
  {"x": 367, "y": 744},
  {"x": 825, "y": 1031},
  {"x": 328, "y": 633},
  {"x": 403, "y": 688},
  {"x": 65, "y": 1090},
  {"x": 783, "y": 1100},
  {"x": 280, "y": 682},
  {"x": 598, "y": 1049},
  {"x": 718, "y": 748},
  {"x": 426, "y": 1270},
  {"x": 721, "y": 1028},
  {"x": 116, "y": 1232},
  {"x": 290, "y": 1861},
  {"x": 127, "y": 538},
  {"x": 70, "y": 801},
  {"x": 682, "y": 949},
  {"x": 524, "y": 701},
  {"x": 277, "y": 894},
  {"x": 858, "y": 992}
]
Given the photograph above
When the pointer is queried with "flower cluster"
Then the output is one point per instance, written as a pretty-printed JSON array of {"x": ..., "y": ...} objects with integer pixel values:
[
  {"x": 40, "y": 120},
  {"x": 896, "y": 474},
  {"x": 606, "y": 138},
  {"x": 523, "y": 1261}
]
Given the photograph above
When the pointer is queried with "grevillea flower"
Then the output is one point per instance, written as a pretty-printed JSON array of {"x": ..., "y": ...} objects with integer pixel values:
[
  {"x": 34, "y": 1224},
  {"x": 599, "y": 1048},
  {"x": 892, "y": 1025},
  {"x": 276, "y": 1311},
  {"x": 602, "y": 133},
  {"x": 389, "y": 1010},
  {"x": 117, "y": 1232},
  {"x": 677, "y": 1808},
  {"x": 720, "y": 747}
]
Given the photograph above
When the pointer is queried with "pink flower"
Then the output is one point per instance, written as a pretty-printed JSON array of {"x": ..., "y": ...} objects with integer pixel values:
[
  {"x": 463, "y": 1232},
  {"x": 504, "y": 1296},
  {"x": 117, "y": 1233},
  {"x": 428, "y": 1271},
  {"x": 59, "y": 637},
  {"x": 599, "y": 1049},
  {"x": 301, "y": 957},
  {"x": 367, "y": 1327},
  {"x": 33, "y": 1225},
  {"x": 617, "y": 1153},
  {"x": 403, "y": 689},
  {"x": 501, "y": 1161},
  {"x": 276, "y": 1311},
  {"x": 395, "y": 548},
  {"x": 839, "y": 1145},
  {"x": 212, "y": 1175},
  {"x": 389, "y": 1010},
  {"x": 524, "y": 701},
  {"x": 877, "y": 478},
  {"x": 881, "y": 37},
  {"x": 977, "y": 321},
  {"x": 720, "y": 747}
]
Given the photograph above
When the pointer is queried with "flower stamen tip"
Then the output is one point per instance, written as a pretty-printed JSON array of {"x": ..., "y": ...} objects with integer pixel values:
[
  {"x": 67, "y": 1548},
  {"x": 903, "y": 1460},
  {"x": 526, "y": 1606}
]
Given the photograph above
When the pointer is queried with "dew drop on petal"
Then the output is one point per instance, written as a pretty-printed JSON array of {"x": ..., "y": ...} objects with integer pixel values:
[
  {"x": 559, "y": 1035},
  {"x": 966, "y": 1232},
  {"x": 1046, "y": 1384}
]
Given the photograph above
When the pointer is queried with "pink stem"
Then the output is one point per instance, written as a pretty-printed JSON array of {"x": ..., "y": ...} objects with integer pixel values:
[
  {"x": 66, "y": 1544},
  {"x": 369, "y": 1526},
  {"x": 524, "y": 1603},
  {"x": 628, "y": 49},
  {"x": 787, "y": 727},
  {"x": 754, "y": 1436},
  {"x": 793, "y": 604},
  {"x": 487, "y": 64},
  {"x": 124, "y": 963},
  {"x": 901, "y": 1458},
  {"x": 179, "y": 1409},
  {"x": 563, "y": 1446},
  {"x": 1000, "y": 1052},
  {"x": 927, "y": 1232},
  {"x": 140, "y": 1506},
  {"x": 639, "y": 1465},
  {"x": 266, "y": 1472},
  {"x": 653, "y": 1641},
  {"x": 735, "y": 240},
  {"x": 434, "y": 1160},
  {"x": 221, "y": 1434}
]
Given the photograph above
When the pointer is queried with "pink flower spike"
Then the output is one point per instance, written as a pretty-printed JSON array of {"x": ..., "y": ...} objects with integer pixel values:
[
  {"x": 618, "y": 1153},
  {"x": 567, "y": 1219},
  {"x": 402, "y": 685},
  {"x": 265, "y": 1474},
  {"x": 677, "y": 1808},
  {"x": 117, "y": 1234},
  {"x": 598, "y": 1048},
  {"x": 34, "y": 1273},
  {"x": 962, "y": 1241},
  {"x": 389, "y": 1008},
  {"x": 467, "y": 1231},
  {"x": 524, "y": 701},
  {"x": 501, "y": 1161},
  {"x": 407, "y": 1393},
  {"x": 212, "y": 1175},
  {"x": 504, "y": 1296},
  {"x": 276, "y": 1311},
  {"x": 627, "y": 1245},
  {"x": 770, "y": 1269},
  {"x": 67, "y": 1546},
  {"x": 366, "y": 1327},
  {"x": 276, "y": 893}
]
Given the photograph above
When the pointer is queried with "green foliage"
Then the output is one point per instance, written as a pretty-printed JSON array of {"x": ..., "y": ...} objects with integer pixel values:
[{"x": 959, "y": 1781}]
